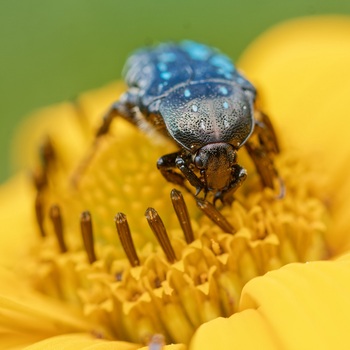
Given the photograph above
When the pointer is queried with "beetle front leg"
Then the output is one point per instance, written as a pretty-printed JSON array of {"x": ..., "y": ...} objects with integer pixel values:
[
  {"x": 122, "y": 108},
  {"x": 167, "y": 166},
  {"x": 239, "y": 174},
  {"x": 108, "y": 118},
  {"x": 189, "y": 175}
]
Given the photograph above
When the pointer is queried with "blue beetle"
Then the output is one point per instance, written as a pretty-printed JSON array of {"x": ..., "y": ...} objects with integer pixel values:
[{"x": 194, "y": 95}]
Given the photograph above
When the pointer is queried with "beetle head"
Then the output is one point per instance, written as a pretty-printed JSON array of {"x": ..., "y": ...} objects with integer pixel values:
[{"x": 215, "y": 163}]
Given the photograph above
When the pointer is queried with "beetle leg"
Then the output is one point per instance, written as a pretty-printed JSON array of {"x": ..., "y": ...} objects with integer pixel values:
[
  {"x": 108, "y": 118},
  {"x": 167, "y": 166},
  {"x": 267, "y": 134},
  {"x": 262, "y": 147},
  {"x": 239, "y": 174},
  {"x": 122, "y": 108},
  {"x": 189, "y": 174}
]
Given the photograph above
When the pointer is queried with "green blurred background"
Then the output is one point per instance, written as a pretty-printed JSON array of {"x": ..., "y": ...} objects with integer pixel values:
[{"x": 52, "y": 50}]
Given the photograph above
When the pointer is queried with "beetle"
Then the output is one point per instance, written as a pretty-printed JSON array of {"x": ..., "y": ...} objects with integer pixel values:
[{"x": 194, "y": 95}]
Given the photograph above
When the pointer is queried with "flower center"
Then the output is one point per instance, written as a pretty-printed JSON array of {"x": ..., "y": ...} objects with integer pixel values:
[{"x": 183, "y": 265}]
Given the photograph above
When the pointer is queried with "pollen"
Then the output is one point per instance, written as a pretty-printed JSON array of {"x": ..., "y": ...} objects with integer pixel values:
[{"x": 148, "y": 263}]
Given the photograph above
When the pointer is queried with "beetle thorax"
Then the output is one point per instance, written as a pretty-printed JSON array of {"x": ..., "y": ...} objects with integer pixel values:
[
  {"x": 215, "y": 162},
  {"x": 197, "y": 115}
]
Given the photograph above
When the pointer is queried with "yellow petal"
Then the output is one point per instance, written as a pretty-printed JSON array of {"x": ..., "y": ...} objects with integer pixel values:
[
  {"x": 53, "y": 121},
  {"x": 80, "y": 342},
  {"x": 16, "y": 217},
  {"x": 302, "y": 71},
  {"x": 222, "y": 333},
  {"x": 87, "y": 342},
  {"x": 27, "y": 316},
  {"x": 300, "y": 306},
  {"x": 70, "y": 120}
]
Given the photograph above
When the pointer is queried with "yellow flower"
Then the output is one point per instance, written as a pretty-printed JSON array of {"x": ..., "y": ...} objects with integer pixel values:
[{"x": 68, "y": 282}]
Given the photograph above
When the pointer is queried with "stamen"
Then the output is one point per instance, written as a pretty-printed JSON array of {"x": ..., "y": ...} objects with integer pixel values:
[
  {"x": 39, "y": 180},
  {"x": 88, "y": 238},
  {"x": 39, "y": 177},
  {"x": 157, "y": 226},
  {"x": 182, "y": 214},
  {"x": 124, "y": 234},
  {"x": 56, "y": 218},
  {"x": 214, "y": 215},
  {"x": 47, "y": 153},
  {"x": 39, "y": 214}
]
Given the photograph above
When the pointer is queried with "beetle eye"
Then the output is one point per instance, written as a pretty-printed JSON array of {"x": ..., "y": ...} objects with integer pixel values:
[{"x": 198, "y": 162}]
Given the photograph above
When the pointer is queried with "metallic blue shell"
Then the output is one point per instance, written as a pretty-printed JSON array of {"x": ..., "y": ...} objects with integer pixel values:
[{"x": 174, "y": 79}]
